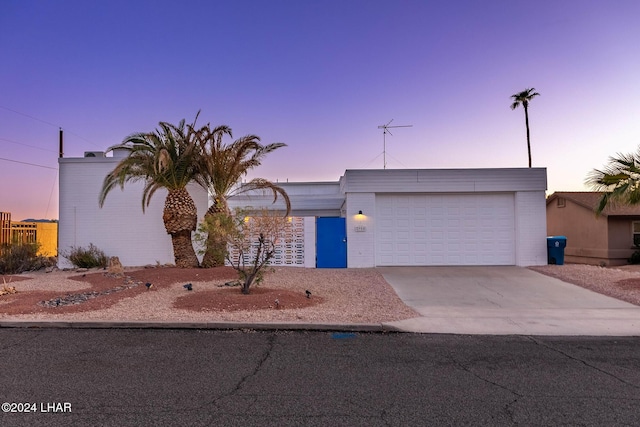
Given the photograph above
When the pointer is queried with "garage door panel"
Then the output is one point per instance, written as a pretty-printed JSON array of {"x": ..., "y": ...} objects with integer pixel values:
[{"x": 470, "y": 229}]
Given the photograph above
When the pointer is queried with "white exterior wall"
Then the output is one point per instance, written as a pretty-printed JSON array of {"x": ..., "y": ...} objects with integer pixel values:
[
  {"x": 361, "y": 250},
  {"x": 310, "y": 242},
  {"x": 531, "y": 228},
  {"x": 120, "y": 228}
]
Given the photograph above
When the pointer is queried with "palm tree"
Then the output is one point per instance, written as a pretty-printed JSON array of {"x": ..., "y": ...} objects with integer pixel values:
[
  {"x": 523, "y": 98},
  {"x": 620, "y": 180},
  {"x": 221, "y": 167},
  {"x": 164, "y": 158}
]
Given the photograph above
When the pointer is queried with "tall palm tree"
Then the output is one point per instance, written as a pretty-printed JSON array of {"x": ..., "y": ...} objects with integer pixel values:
[
  {"x": 221, "y": 167},
  {"x": 523, "y": 98},
  {"x": 620, "y": 180},
  {"x": 164, "y": 158}
]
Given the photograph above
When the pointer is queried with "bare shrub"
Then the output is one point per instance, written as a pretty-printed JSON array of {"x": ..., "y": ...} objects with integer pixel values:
[
  {"x": 90, "y": 257},
  {"x": 17, "y": 258}
]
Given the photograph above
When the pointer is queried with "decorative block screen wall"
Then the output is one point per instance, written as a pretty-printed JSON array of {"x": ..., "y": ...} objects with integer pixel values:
[{"x": 289, "y": 246}]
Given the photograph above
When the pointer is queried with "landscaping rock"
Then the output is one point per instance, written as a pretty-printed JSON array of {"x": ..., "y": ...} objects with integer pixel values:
[
  {"x": 71, "y": 299},
  {"x": 115, "y": 266}
]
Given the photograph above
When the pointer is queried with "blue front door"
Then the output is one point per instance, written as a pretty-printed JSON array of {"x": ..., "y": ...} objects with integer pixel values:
[{"x": 331, "y": 242}]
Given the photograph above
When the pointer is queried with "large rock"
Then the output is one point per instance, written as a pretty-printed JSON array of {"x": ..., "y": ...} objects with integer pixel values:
[{"x": 115, "y": 266}]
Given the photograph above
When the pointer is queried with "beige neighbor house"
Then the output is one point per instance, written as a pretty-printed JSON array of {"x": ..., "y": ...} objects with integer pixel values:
[{"x": 608, "y": 239}]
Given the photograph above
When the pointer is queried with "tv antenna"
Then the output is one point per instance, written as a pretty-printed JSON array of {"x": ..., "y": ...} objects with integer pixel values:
[{"x": 385, "y": 131}]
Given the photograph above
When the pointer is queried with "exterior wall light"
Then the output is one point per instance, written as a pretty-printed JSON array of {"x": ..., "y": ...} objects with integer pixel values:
[{"x": 360, "y": 213}]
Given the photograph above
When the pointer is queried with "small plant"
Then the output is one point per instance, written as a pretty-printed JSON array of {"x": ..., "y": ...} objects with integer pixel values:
[
  {"x": 254, "y": 245},
  {"x": 251, "y": 266},
  {"x": 635, "y": 258},
  {"x": 90, "y": 257},
  {"x": 250, "y": 242},
  {"x": 17, "y": 258}
]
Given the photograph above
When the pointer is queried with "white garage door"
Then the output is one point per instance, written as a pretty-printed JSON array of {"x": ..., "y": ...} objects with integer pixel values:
[{"x": 469, "y": 229}]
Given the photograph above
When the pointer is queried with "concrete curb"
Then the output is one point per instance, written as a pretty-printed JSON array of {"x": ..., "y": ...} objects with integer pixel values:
[{"x": 359, "y": 327}]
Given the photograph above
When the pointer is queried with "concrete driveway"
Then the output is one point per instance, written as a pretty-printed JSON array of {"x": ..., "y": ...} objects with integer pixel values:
[{"x": 505, "y": 300}]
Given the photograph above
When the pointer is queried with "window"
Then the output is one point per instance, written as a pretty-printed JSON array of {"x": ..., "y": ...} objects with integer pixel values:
[
  {"x": 636, "y": 233},
  {"x": 561, "y": 202}
]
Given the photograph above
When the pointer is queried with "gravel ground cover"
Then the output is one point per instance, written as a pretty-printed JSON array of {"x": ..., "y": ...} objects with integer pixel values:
[
  {"x": 335, "y": 296},
  {"x": 621, "y": 282}
]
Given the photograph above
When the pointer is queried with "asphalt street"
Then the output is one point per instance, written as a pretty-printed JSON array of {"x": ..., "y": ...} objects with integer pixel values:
[{"x": 127, "y": 377}]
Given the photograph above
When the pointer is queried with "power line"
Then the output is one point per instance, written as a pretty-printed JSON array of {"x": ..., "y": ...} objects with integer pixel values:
[
  {"x": 46, "y": 213},
  {"x": 31, "y": 117},
  {"x": 49, "y": 123},
  {"x": 25, "y": 163},
  {"x": 27, "y": 145},
  {"x": 82, "y": 138}
]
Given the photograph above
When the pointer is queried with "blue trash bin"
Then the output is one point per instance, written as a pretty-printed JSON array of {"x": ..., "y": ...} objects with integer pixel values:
[{"x": 555, "y": 249}]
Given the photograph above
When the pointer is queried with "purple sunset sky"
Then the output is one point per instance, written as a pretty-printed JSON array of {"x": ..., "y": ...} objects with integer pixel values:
[{"x": 320, "y": 76}]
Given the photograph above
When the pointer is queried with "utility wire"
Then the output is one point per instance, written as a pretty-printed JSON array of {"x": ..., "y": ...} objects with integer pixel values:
[
  {"x": 82, "y": 138},
  {"x": 27, "y": 145},
  {"x": 25, "y": 163},
  {"x": 46, "y": 213},
  {"x": 49, "y": 123},
  {"x": 31, "y": 117}
]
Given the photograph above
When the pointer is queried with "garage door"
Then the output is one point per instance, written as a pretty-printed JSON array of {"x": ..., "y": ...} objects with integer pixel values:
[{"x": 469, "y": 229}]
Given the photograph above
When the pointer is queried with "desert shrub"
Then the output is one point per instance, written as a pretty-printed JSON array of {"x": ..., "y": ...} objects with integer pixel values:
[
  {"x": 254, "y": 245},
  {"x": 18, "y": 258},
  {"x": 90, "y": 257},
  {"x": 248, "y": 242},
  {"x": 213, "y": 236},
  {"x": 635, "y": 258}
]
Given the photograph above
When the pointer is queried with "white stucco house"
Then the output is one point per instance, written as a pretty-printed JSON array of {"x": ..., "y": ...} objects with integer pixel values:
[{"x": 368, "y": 218}]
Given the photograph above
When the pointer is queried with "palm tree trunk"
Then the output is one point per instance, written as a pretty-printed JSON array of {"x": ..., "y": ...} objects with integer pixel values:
[
  {"x": 526, "y": 121},
  {"x": 216, "y": 249},
  {"x": 183, "y": 251},
  {"x": 180, "y": 219},
  {"x": 216, "y": 245}
]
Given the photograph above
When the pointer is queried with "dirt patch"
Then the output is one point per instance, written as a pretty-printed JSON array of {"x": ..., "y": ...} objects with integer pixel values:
[{"x": 231, "y": 299}]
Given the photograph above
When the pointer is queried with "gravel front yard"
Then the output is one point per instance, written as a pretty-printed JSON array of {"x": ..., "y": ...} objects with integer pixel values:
[
  {"x": 336, "y": 296},
  {"x": 618, "y": 282}
]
